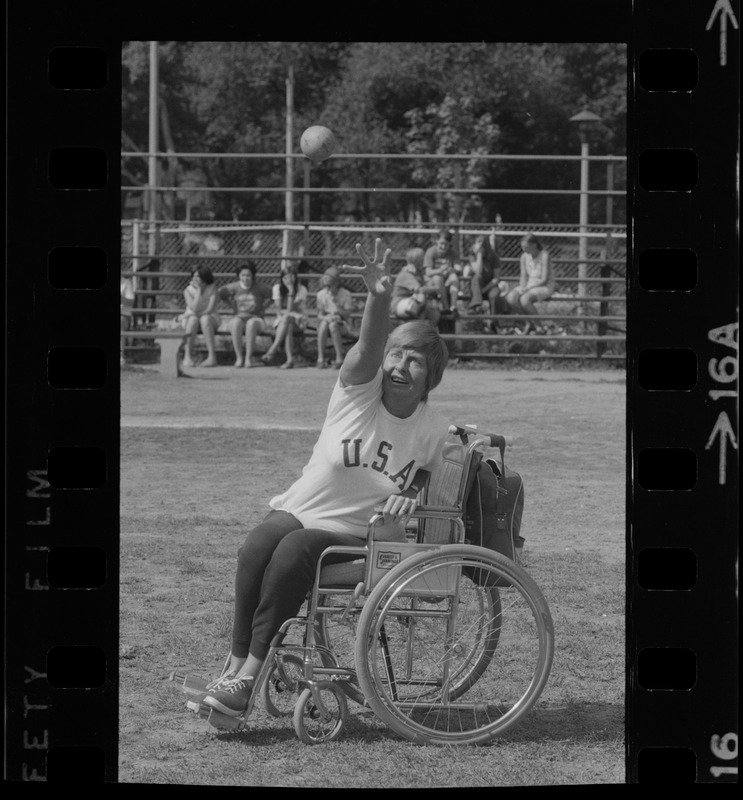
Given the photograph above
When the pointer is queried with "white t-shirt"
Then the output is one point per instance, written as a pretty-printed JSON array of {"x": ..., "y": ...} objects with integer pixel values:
[{"x": 363, "y": 455}]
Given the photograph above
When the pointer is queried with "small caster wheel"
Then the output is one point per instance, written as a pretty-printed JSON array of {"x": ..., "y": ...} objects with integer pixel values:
[
  {"x": 279, "y": 690},
  {"x": 320, "y": 713}
]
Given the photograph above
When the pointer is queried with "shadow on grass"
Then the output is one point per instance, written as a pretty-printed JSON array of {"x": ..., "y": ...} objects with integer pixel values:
[
  {"x": 587, "y": 722},
  {"x": 360, "y": 728}
]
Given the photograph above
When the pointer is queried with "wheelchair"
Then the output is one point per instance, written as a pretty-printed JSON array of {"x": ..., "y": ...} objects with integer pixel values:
[{"x": 447, "y": 643}]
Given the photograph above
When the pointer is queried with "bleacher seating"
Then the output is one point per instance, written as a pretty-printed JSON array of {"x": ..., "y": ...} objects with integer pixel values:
[{"x": 569, "y": 326}]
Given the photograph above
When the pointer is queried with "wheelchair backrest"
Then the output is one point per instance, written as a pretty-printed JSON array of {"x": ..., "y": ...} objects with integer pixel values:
[{"x": 447, "y": 488}]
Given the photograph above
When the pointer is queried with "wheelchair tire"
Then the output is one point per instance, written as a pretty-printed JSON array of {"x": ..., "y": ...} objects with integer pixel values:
[
  {"x": 458, "y": 667},
  {"x": 314, "y": 724}
]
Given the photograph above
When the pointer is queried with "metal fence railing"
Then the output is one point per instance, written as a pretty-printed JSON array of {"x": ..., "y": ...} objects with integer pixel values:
[{"x": 284, "y": 186}]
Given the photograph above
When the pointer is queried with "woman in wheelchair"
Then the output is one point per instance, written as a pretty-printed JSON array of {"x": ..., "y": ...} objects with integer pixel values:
[{"x": 377, "y": 446}]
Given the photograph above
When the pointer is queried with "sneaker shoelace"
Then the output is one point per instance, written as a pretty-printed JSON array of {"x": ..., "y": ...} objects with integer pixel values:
[
  {"x": 234, "y": 685},
  {"x": 217, "y": 683}
]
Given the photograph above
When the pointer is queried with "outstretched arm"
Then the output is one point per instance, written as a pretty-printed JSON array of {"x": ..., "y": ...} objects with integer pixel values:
[{"x": 365, "y": 358}]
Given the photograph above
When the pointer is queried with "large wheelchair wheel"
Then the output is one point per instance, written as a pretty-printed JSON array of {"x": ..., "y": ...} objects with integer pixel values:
[{"x": 454, "y": 646}]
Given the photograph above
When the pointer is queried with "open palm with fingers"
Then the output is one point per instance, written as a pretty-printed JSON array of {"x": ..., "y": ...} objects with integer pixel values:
[{"x": 375, "y": 271}]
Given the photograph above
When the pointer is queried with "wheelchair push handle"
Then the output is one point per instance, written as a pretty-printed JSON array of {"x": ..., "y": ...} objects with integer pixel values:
[{"x": 488, "y": 439}]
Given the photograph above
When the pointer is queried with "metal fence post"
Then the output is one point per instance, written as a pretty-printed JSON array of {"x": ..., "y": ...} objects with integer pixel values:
[
  {"x": 605, "y": 292},
  {"x": 583, "y": 221}
]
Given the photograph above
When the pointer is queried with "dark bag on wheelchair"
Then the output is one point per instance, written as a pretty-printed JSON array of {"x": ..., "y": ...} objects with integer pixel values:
[{"x": 494, "y": 507}]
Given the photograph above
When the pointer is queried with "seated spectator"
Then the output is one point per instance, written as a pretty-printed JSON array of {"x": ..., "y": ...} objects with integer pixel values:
[
  {"x": 442, "y": 269},
  {"x": 411, "y": 298},
  {"x": 289, "y": 296},
  {"x": 334, "y": 305},
  {"x": 485, "y": 283},
  {"x": 536, "y": 280},
  {"x": 128, "y": 290},
  {"x": 201, "y": 302},
  {"x": 247, "y": 300}
]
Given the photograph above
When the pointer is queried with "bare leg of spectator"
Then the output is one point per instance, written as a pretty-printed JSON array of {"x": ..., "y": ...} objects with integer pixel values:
[
  {"x": 192, "y": 327},
  {"x": 252, "y": 327},
  {"x": 207, "y": 326},
  {"x": 322, "y": 338},
  {"x": 278, "y": 338},
  {"x": 527, "y": 305},
  {"x": 289, "y": 342},
  {"x": 236, "y": 330},
  {"x": 335, "y": 335}
]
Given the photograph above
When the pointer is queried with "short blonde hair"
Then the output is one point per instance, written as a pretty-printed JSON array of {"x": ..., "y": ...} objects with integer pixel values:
[
  {"x": 422, "y": 336},
  {"x": 415, "y": 256}
]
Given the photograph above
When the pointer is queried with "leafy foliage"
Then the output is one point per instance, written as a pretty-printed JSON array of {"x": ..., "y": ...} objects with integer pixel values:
[{"x": 379, "y": 98}]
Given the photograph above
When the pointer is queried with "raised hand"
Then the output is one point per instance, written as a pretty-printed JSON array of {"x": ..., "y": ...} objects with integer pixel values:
[{"x": 375, "y": 271}]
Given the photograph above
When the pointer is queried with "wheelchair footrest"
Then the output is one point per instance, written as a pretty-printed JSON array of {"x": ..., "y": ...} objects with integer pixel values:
[
  {"x": 221, "y": 721},
  {"x": 190, "y": 685}
]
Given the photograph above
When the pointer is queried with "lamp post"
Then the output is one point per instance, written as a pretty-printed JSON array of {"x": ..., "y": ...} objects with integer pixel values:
[
  {"x": 153, "y": 143},
  {"x": 289, "y": 193},
  {"x": 585, "y": 121}
]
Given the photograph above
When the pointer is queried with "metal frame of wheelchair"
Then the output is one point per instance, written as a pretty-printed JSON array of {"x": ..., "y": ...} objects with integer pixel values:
[{"x": 446, "y": 643}]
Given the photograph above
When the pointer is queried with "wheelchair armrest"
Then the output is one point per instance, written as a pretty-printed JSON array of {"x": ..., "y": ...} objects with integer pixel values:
[
  {"x": 425, "y": 508},
  {"x": 446, "y": 514},
  {"x": 437, "y": 512}
]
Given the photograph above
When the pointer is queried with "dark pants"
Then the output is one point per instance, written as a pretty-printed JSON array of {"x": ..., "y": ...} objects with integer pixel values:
[{"x": 275, "y": 570}]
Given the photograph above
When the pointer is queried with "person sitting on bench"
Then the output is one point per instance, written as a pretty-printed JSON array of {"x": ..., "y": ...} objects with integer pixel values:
[
  {"x": 536, "y": 281},
  {"x": 201, "y": 302},
  {"x": 247, "y": 299}
]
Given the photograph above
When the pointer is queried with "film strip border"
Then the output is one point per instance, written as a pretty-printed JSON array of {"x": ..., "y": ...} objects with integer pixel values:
[
  {"x": 683, "y": 397},
  {"x": 62, "y": 419},
  {"x": 63, "y": 397}
]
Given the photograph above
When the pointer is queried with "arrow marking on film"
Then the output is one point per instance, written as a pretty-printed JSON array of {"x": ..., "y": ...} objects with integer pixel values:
[
  {"x": 724, "y": 11},
  {"x": 725, "y": 430}
]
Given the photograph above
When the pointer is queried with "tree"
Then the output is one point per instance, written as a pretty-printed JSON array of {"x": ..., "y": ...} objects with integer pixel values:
[
  {"x": 379, "y": 98},
  {"x": 451, "y": 127}
]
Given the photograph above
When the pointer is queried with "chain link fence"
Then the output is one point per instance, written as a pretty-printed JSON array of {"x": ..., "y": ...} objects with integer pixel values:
[
  {"x": 589, "y": 265},
  {"x": 181, "y": 248}
]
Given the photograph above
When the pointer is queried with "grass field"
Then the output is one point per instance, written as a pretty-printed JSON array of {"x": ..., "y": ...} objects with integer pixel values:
[{"x": 200, "y": 458}]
